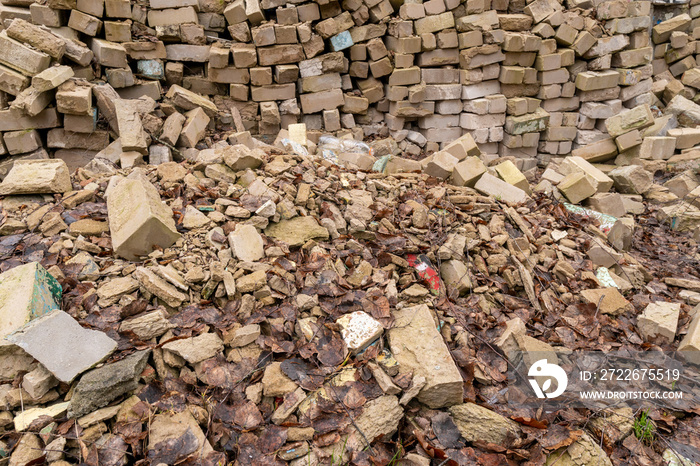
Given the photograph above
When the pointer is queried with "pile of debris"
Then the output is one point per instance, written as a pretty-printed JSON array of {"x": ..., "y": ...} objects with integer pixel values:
[
  {"x": 265, "y": 306},
  {"x": 530, "y": 81}
]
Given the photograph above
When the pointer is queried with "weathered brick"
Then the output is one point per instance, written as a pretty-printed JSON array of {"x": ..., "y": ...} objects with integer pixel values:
[{"x": 22, "y": 58}]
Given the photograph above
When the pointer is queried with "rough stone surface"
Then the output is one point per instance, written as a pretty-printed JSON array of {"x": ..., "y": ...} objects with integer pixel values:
[
  {"x": 100, "y": 386},
  {"x": 659, "y": 319},
  {"x": 36, "y": 177},
  {"x": 196, "y": 349},
  {"x": 296, "y": 231},
  {"x": 73, "y": 349},
  {"x": 414, "y": 340},
  {"x": 477, "y": 423},
  {"x": 246, "y": 243}
]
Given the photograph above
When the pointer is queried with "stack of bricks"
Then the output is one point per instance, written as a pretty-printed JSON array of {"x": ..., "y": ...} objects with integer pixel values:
[{"x": 532, "y": 81}]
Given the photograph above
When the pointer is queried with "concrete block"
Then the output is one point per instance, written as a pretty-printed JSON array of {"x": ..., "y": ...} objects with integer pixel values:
[{"x": 137, "y": 227}]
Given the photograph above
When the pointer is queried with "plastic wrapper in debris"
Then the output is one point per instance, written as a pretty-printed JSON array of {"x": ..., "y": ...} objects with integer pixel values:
[
  {"x": 606, "y": 221},
  {"x": 295, "y": 147},
  {"x": 426, "y": 271},
  {"x": 330, "y": 147},
  {"x": 604, "y": 278},
  {"x": 380, "y": 165}
]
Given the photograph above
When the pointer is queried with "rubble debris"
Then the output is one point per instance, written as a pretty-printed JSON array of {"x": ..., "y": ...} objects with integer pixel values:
[{"x": 217, "y": 192}]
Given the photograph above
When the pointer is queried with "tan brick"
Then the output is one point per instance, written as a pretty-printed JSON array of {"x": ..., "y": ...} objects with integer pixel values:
[
  {"x": 18, "y": 56},
  {"x": 355, "y": 104},
  {"x": 318, "y": 101},
  {"x": 20, "y": 142},
  {"x": 274, "y": 92},
  {"x": 594, "y": 80},
  {"x": 47, "y": 16},
  {"x": 172, "y": 16},
  {"x": 229, "y": 75},
  {"x": 662, "y": 31},
  {"x": 322, "y": 82},
  {"x": 235, "y": 12},
  {"x": 109, "y": 54},
  {"x": 11, "y": 81},
  {"x": 406, "y": 76},
  {"x": 187, "y": 52},
  {"x": 599, "y": 151},
  {"x": 84, "y": 23},
  {"x": 74, "y": 98},
  {"x": 434, "y": 23},
  {"x": 279, "y": 55},
  {"x": 576, "y": 187},
  {"x": 637, "y": 118},
  {"x": 118, "y": 9},
  {"x": 37, "y": 37}
]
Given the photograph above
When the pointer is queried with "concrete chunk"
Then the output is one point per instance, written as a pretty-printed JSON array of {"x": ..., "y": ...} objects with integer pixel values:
[
  {"x": 359, "y": 330},
  {"x": 659, "y": 319},
  {"x": 137, "y": 227},
  {"x": 632, "y": 179},
  {"x": 417, "y": 345},
  {"x": 246, "y": 243},
  {"x": 37, "y": 177},
  {"x": 72, "y": 349},
  {"x": 100, "y": 386}
]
